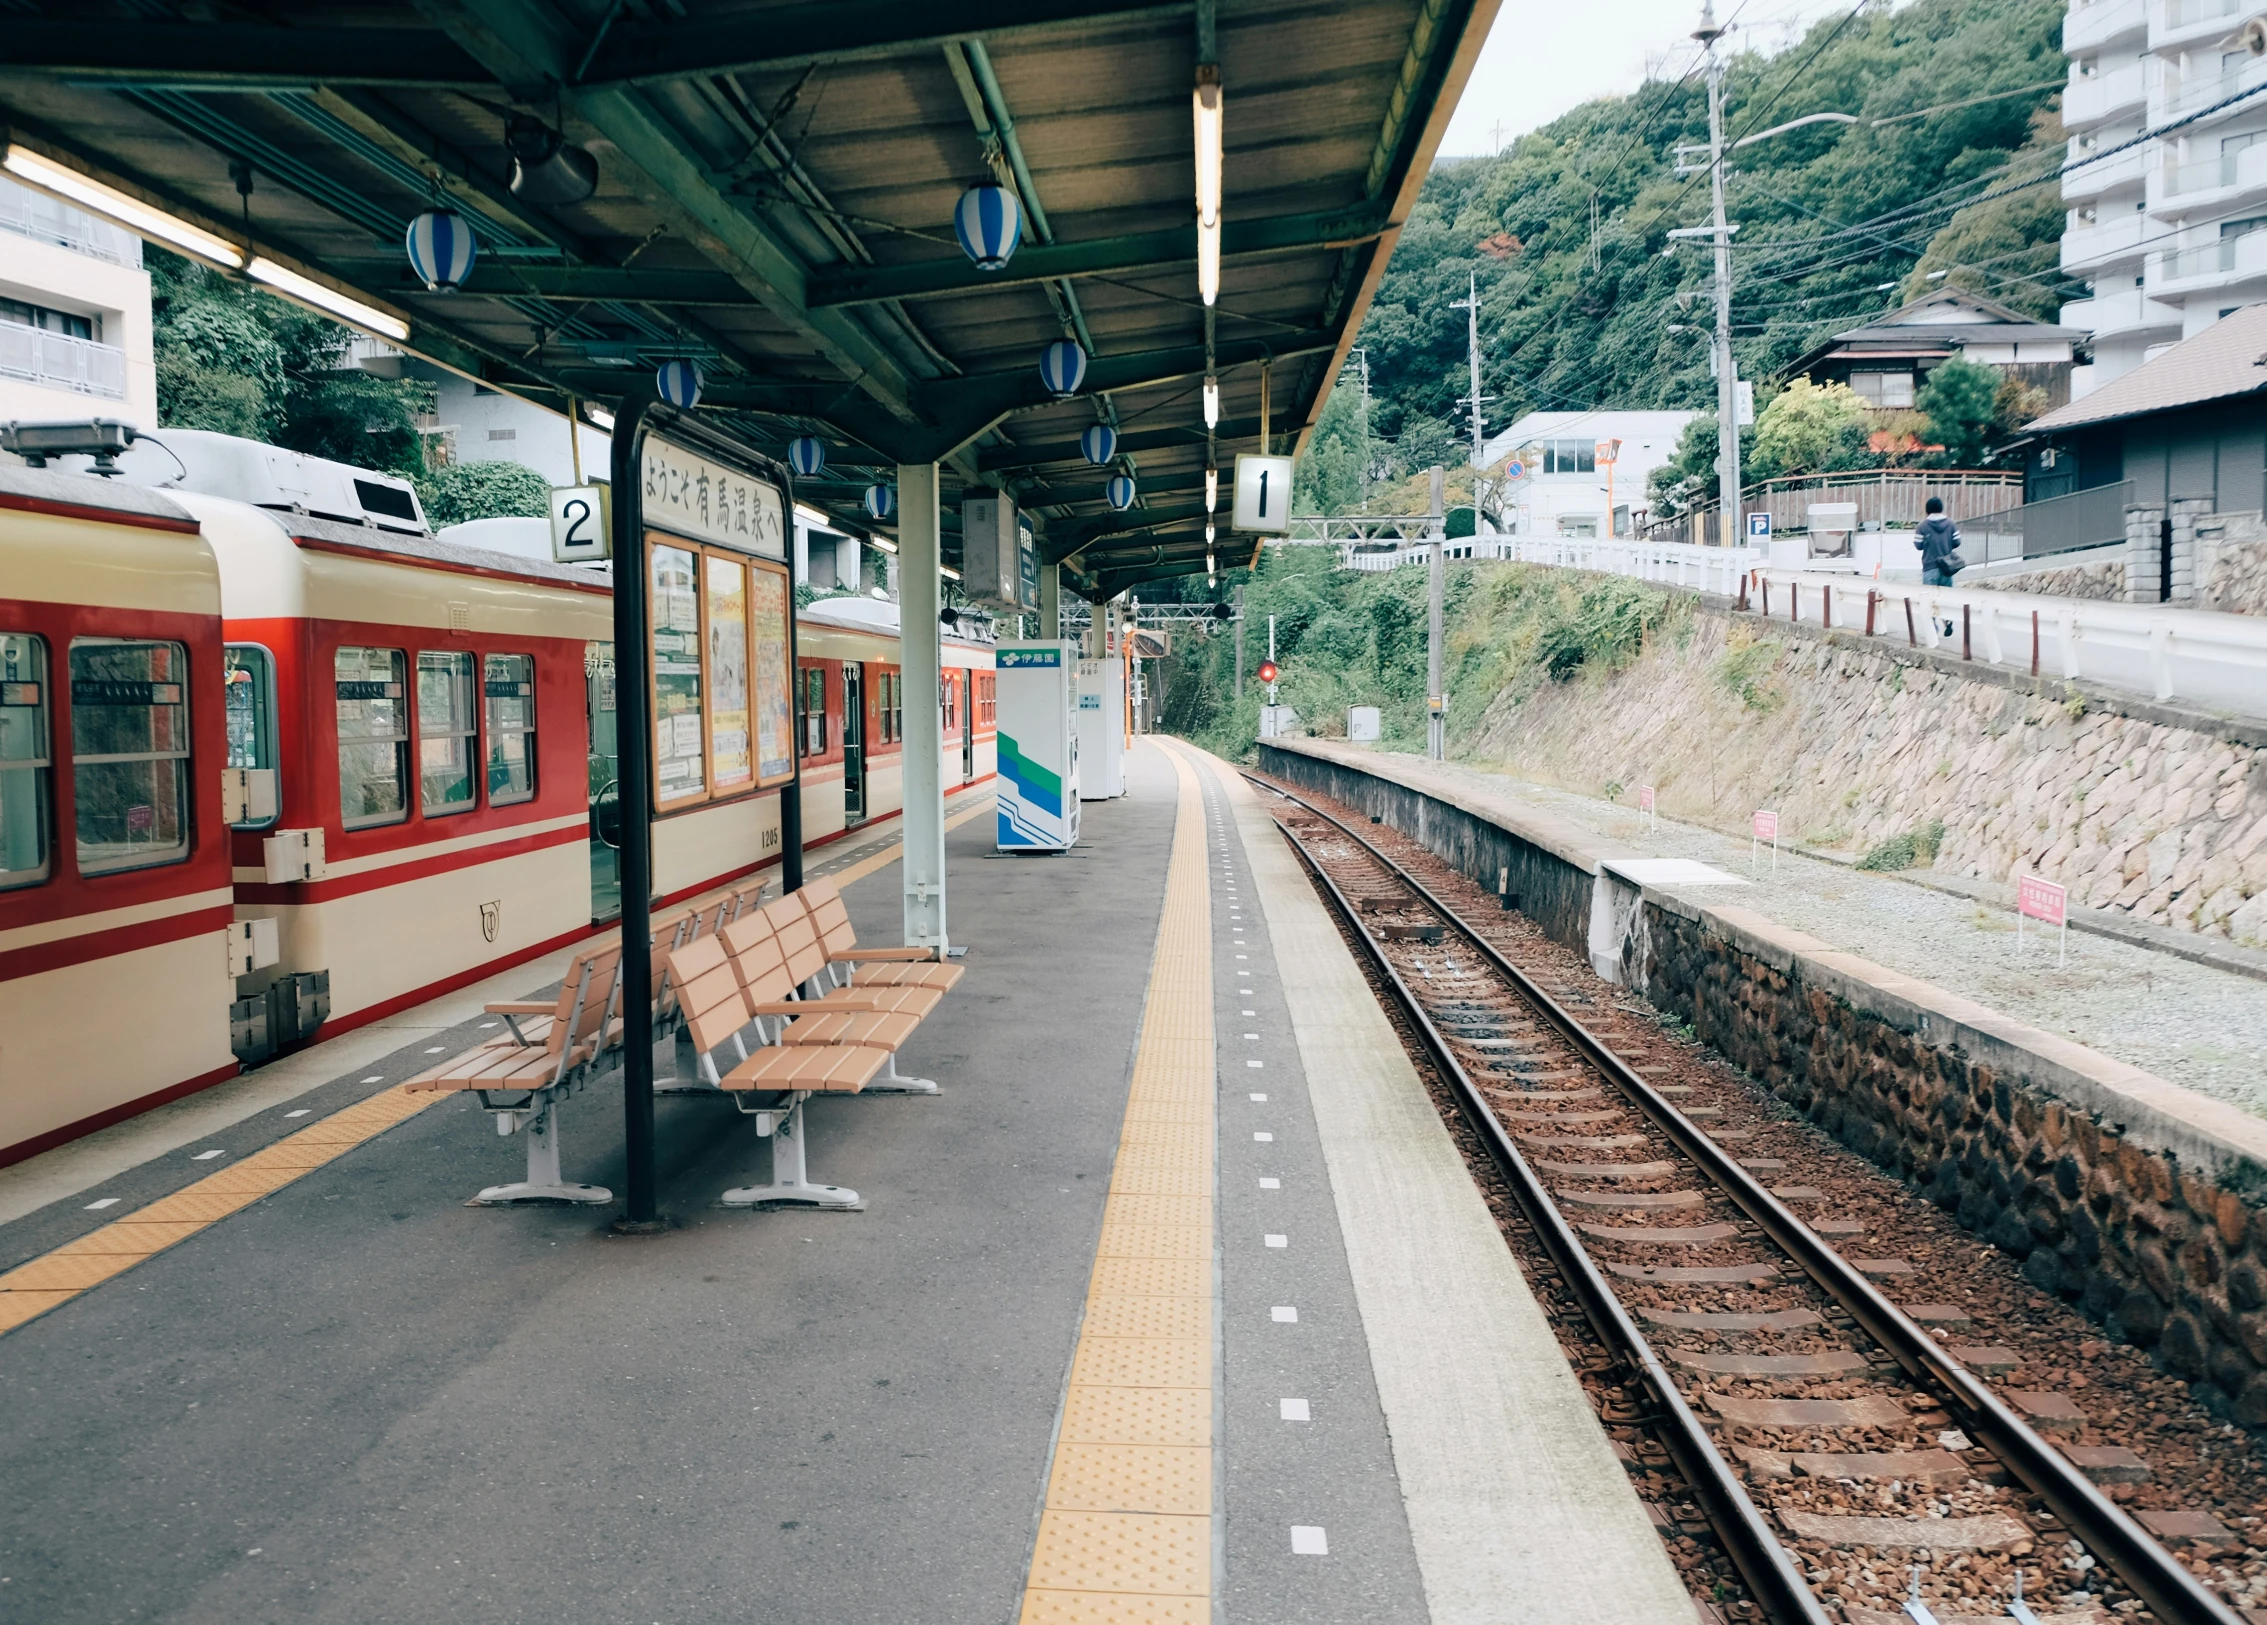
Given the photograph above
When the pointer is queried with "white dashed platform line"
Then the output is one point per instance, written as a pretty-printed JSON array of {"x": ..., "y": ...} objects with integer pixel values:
[
  {"x": 1283, "y": 1314},
  {"x": 1263, "y": 1137},
  {"x": 1293, "y": 1410},
  {"x": 1271, "y": 1184},
  {"x": 301, "y": 1112},
  {"x": 207, "y": 1156},
  {"x": 1279, "y": 1241},
  {"x": 98, "y": 1206},
  {"x": 1308, "y": 1540}
]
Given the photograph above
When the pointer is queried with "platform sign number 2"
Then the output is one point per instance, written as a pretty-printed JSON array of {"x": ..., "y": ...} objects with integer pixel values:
[
  {"x": 580, "y": 533},
  {"x": 1263, "y": 495}
]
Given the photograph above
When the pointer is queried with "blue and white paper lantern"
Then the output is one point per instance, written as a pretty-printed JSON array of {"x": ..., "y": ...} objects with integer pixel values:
[
  {"x": 881, "y": 500},
  {"x": 678, "y": 383},
  {"x": 806, "y": 455},
  {"x": 1100, "y": 443},
  {"x": 1063, "y": 366},
  {"x": 1120, "y": 491},
  {"x": 441, "y": 249},
  {"x": 989, "y": 223}
]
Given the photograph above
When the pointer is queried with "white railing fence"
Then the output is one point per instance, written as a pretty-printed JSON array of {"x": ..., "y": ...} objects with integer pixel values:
[
  {"x": 58, "y": 358},
  {"x": 2201, "y": 658}
]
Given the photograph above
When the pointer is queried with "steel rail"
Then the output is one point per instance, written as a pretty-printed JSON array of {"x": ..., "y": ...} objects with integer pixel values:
[
  {"x": 1760, "y": 1556},
  {"x": 2151, "y": 1571}
]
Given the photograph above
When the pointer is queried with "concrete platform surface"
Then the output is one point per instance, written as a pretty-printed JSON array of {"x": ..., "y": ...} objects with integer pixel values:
[{"x": 357, "y": 1398}]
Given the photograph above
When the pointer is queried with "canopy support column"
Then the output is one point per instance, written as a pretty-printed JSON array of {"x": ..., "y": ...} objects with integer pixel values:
[
  {"x": 920, "y": 592},
  {"x": 633, "y": 743}
]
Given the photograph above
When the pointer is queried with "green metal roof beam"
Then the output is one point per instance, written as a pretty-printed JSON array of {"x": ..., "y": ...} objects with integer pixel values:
[
  {"x": 1137, "y": 251},
  {"x": 518, "y": 278},
  {"x": 791, "y": 36},
  {"x": 528, "y": 48},
  {"x": 1184, "y": 438},
  {"x": 253, "y": 56}
]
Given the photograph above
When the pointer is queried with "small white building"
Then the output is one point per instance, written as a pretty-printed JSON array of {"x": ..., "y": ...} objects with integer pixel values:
[
  {"x": 475, "y": 424},
  {"x": 1582, "y": 473},
  {"x": 75, "y": 339}
]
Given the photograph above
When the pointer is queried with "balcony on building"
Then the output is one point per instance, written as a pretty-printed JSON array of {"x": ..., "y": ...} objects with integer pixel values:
[
  {"x": 2090, "y": 25},
  {"x": 2101, "y": 89},
  {"x": 2188, "y": 95},
  {"x": 2209, "y": 185},
  {"x": 2235, "y": 262},
  {"x": 2115, "y": 236},
  {"x": 2123, "y": 313},
  {"x": 75, "y": 339},
  {"x": 2183, "y": 25},
  {"x": 2120, "y": 174}
]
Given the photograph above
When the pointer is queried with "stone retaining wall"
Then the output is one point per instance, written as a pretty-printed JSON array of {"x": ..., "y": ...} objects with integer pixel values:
[
  {"x": 2157, "y": 1231},
  {"x": 2141, "y": 1201},
  {"x": 2101, "y": 578}
]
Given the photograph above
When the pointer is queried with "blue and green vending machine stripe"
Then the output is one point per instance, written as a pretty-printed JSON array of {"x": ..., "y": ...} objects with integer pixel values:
[{"x": 1038, "y": 742}]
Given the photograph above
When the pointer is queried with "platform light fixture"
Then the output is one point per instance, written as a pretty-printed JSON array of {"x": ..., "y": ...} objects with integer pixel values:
[
  {"x": 1211, "y": 401},
  {"x": 132, "y": 213},
  {"x": 1211, "y": 490},
  {"x": 307, "y": 291},
  {"x": 1206, "y": 105}
]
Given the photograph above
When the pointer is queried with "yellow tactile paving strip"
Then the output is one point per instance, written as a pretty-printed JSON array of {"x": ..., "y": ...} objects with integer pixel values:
[
  {"x": 31, "y": 1289},
  {"x": 1126, "y": 1531}
]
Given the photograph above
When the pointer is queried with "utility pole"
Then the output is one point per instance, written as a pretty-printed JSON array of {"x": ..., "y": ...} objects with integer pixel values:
[
  {"x": 1470, "y": 305},
  {"x": 1727, "y": 379},
  {"x": 1236, "y": 623},
  {"x": 1436, "y": 703}
]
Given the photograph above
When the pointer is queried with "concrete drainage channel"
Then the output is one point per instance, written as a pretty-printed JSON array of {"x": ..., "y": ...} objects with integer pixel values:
[{"x": 2142, "y": 1202}]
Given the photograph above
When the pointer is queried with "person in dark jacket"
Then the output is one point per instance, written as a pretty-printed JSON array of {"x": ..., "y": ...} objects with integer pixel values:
[{"x": 1939, "y": 542}]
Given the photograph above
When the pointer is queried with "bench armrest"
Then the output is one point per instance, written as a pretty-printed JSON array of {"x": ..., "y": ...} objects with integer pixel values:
[
  {"x": 522, "y": 1007},
  {"x": 901, "y": 955},
  {"x": 786, "y": 1009}
]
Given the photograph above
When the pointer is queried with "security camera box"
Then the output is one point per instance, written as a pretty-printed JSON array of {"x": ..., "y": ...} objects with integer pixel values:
[{"x": 999, "y": 564}]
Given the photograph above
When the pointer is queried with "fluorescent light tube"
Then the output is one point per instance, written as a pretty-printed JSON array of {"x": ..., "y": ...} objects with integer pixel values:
[
  {"x": 811, "y": 516},
  {"x": 948, "y": 572},
  {"x": 1211, "y": 489},
  {"x": 136, "y": 216},
  {"x": 1208, "y": 533},
  {"x": 328, "y": 300},
  {"x": 1208, "y": 260},
  {"x": 1206, "y": 103},
  {"x": 1211, "y": 401}
]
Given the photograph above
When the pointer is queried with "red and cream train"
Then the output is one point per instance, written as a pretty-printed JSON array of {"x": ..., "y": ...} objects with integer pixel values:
[{"x": 273, "y": 759}]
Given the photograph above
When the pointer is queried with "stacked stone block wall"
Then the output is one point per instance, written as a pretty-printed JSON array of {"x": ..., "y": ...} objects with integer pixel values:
[{"x": 2172, "y": 1256}]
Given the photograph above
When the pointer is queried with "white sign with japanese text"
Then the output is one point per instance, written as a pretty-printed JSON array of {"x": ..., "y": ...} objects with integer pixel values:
[{"x": 686, "y": 493}]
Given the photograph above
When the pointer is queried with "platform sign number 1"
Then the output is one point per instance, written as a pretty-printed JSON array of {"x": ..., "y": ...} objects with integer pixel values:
[
  {"x": 2042, "y": 900},
  {"x": 1263, "y": 495},
  {"x": 1766, "y": 828}
]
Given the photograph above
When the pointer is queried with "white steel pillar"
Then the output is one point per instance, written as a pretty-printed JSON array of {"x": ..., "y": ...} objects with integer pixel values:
[
  {"x": 1436, "y": 703},
  {"x": 920, "y": 593}
]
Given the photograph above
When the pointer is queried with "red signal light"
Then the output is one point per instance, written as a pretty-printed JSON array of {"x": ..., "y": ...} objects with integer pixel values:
[{"x": 1267, "y": 671}]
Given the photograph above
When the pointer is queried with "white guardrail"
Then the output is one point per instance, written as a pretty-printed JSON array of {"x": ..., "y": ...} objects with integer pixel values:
[{"x": 2203, "y": 658}]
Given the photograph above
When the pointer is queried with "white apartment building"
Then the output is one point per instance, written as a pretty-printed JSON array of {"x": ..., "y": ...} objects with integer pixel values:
[
  {"x": 1563, "y": 488},
  {"x": 2167, "y": 234},
  {"x": 476, "y": 424},
  {"x": 74, "y": 316}
]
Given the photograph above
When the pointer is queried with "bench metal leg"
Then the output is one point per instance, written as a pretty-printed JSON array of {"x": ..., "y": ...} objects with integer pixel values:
[
  {"x": 790, "y": 1181},
  {"x": 894, "y": 1082},
  {"x": 543, "y": 1182}
]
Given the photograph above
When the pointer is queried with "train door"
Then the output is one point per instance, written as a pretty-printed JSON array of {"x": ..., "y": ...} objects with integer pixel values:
[
  {"x": 605, "y": 786},
  {"x": 853, "y": 742},
  {"x": 966, "y": 682}
]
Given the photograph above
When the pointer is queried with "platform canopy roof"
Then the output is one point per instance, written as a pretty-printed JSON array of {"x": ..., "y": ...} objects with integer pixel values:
[{"x": 775, "y": 198}]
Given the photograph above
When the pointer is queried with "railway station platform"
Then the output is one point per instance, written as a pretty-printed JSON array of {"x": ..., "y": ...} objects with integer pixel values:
[{"x": 1175, "y": 1304}]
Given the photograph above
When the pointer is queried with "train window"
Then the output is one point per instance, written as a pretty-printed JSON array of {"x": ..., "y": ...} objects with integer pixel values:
[
  {"x": 679, "y": 752},
  {"x": 987, "y": 708},
  {"x": 811, "y": 707},
  {"x": 446, "y": 740},
  {"x": 130, "y": 752},
  {"x": 731, "y": 764},
  {"x": 248, "y": 700},
  {"x": 507, "y": 685},
  {"x": 885, "y": 707},
  {"x": 373, "y": 736},
  {"x": 23, "y": 760}
]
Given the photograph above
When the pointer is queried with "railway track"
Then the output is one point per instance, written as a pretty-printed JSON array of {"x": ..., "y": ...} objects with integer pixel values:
[{"x": 1770, "y": 1365}]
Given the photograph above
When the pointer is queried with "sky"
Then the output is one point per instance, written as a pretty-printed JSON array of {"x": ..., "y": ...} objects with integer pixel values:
[{"x": 1541, "y": 61}]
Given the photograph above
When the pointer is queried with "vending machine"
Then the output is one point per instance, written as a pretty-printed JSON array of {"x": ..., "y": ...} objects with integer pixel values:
[
  {"x": 1102, "y": 728},
  {"x": 1039, "y": 746}
]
